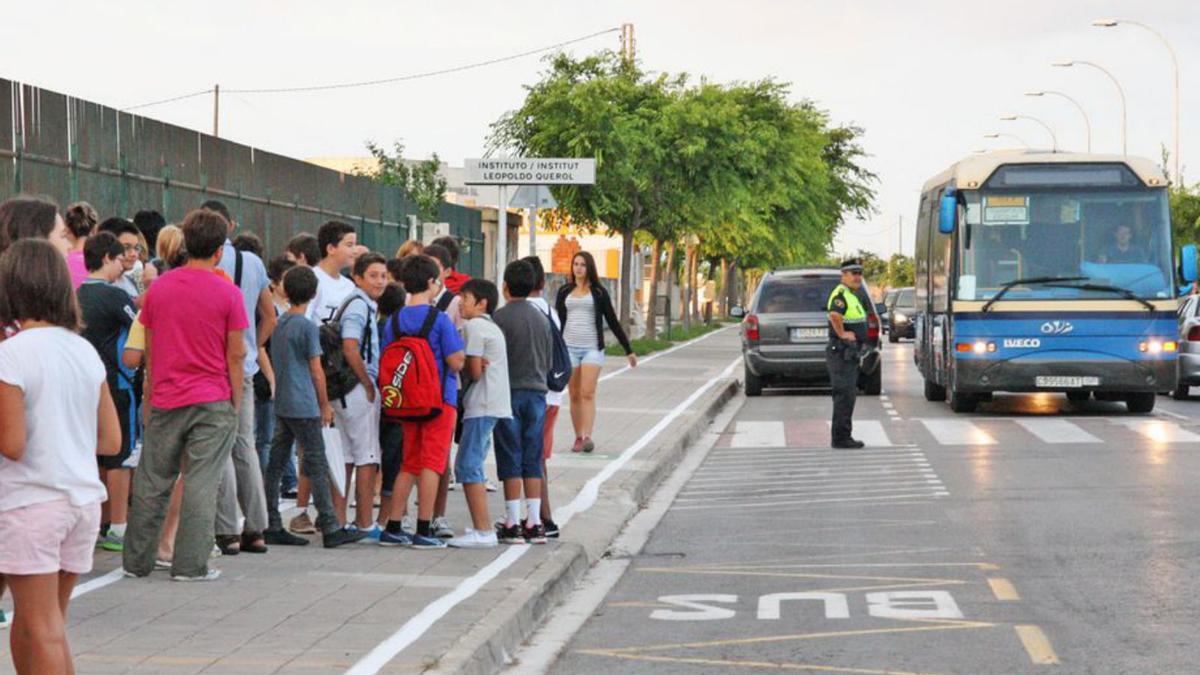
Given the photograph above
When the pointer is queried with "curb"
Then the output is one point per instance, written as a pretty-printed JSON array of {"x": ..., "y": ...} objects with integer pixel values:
[{"x": 488, "y": 646}]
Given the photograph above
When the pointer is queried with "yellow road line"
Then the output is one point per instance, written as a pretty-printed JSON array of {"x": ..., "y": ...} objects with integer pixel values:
[
  {"x": 744, "y": 664},
  {"x": 938, "y": 624},
  {"x": 1038, "y": 645},
  {"x": 1003, "y": 589}
]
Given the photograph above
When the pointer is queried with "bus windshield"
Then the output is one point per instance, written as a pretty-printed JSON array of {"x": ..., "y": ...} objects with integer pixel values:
[{"x": 1110, "y": 237}]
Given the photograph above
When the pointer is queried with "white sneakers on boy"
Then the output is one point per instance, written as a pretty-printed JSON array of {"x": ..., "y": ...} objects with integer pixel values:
[{"x": 475, "y": 539}]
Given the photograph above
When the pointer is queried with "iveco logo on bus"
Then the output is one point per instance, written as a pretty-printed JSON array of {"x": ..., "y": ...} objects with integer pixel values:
[
  {"x": 1022, "y": 343},
  {"x": 1057, "y": 328}
]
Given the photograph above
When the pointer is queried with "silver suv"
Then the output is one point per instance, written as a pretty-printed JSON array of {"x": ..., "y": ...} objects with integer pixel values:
[
  {"x": 1189, "y": 347},
  {"x": 784, "y": 330}
]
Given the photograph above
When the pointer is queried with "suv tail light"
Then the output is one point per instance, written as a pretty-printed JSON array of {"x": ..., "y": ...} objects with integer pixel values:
[
  {"x": 872, "y": 326},
  {"x": 1194, "y": 334},
  {"x": 751, "y": 324}
]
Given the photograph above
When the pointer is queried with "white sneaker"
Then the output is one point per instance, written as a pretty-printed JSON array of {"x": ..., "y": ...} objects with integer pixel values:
[
  {"x": 408, "y": 524},
  {"x": 453, "y": 487},
  {"x": 475, "y": 539},
  {"x": 212, "y": 575},
  {"x": 490, "y": 486},
  {"x": 442, "y": 529}
]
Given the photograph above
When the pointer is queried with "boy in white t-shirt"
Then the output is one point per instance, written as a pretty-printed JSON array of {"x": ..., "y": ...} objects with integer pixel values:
[{"x": 487, "y": 400}]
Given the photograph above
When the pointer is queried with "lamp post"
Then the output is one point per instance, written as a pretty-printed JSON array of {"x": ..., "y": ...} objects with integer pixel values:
[
  {"x": 1013, "y": 117},
  {"x": 1112, "y": 23},
  {"x": 1087, "y": 122},
  {"x": 1067, "y": 63},
  {"x": 996, "y": 134}
]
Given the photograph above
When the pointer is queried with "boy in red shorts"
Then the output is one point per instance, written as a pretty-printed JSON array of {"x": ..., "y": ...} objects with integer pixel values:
[{"x": 426, "y": 444}]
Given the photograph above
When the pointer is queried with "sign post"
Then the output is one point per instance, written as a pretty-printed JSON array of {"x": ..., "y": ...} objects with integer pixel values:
[{"x": 533, "y": 171}]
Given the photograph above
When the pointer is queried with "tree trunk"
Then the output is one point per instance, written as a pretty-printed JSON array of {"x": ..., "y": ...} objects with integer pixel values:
[
  {"x": 689, "y": 283},
  {"x": 651, "y": 302},
  {"x": 670, "y": 273},
  {"x": 723, "y": 305},
  {"x": 626, "y": 285}
]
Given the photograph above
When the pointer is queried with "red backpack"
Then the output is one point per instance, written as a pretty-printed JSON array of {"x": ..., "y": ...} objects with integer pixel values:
[{"x": 409, "y": 385}]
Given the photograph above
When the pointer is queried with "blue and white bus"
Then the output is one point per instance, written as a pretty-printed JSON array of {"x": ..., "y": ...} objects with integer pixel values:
[{"x": 1048, "y": 272}]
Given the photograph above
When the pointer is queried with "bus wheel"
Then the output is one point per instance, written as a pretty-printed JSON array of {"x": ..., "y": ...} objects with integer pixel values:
[
  {"x": 963, "y": 403},
  {"x": 934, "y": 392},
  {"x": 1142, "y": 402}
]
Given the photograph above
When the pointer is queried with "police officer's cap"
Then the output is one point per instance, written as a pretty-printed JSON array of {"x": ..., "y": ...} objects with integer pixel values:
[{"x": 851, "y": 265}]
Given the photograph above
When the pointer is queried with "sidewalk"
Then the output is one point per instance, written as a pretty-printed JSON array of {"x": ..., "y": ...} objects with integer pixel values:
[{"x": 374, "y": 609}]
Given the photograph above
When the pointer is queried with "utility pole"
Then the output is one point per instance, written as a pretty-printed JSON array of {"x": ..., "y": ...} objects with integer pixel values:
[
  {"x": 900, "y": 218},
  {"x": 217, "y": 110},
  {"x": 628, "y": 44}
]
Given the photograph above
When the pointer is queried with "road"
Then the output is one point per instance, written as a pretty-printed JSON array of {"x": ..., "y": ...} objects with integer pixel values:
[{"x": 1032, "y": 536}]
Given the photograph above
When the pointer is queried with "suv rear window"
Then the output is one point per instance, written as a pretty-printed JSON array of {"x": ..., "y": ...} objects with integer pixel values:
[{"x": 802, "y": 294}]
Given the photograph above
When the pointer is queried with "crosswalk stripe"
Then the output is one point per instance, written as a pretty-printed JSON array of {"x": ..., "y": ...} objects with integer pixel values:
[
  {"x": 759, "y": 435},
  {"x": 948, "y": 431},
  {"x": 1160, "y": 431},
  {"x": 1056, "y": 431}
]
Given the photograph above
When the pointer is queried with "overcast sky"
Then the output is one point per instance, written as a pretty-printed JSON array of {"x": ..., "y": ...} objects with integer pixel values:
[{"x": 925, "y": 78}]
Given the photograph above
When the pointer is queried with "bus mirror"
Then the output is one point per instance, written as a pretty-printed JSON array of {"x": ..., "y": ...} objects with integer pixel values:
[
  {"x": 947, "y": 214},
  {"x": 1187, "y": 263}
]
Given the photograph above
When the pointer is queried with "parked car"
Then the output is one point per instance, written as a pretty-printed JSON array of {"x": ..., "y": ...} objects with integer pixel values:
[
  {"x": 881, "y": 309},
  {"x": 785, "y": 329},
  {"x": 1189, "y": 347},
  {"x": 901, "y": 315}
]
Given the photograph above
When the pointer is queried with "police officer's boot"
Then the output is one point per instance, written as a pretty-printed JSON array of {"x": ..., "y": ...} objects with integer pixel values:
[{"x": 848, "y": 444}]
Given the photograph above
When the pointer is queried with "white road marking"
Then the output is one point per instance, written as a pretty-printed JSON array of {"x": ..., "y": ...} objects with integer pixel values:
[
  {"x": 800, "y": 502},
  {"x": 948, "y": 431},
  {"x": 902, "y": 486},
  {"x": 1159, "y": 431},
  {"x": 99, "y": 582},
  {"x": 759, "y": 435},
  {"x": 418, "y": 625},
  {"x": 1051, "y": 430}
]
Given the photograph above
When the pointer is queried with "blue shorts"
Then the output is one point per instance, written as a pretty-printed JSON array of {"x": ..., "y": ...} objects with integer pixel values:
[
  {"x": 472, "y": 448},
  {"x": 585, "y": 356},
  {"x": 519, "y": 438}
]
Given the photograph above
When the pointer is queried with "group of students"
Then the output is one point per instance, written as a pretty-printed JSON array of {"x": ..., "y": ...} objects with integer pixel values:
[{"x": 194, "y": 377}]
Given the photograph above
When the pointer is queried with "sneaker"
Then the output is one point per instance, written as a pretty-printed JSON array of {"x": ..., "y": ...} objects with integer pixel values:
[
  {"x": 289, "y": 494},
  {"x": 421, "y": 541},
  {"x": 112, "y": 542},
  {"x": 344, "y": 536},
  {"x": 490, "y": 486},
  {"x": 511, "y": 535},
  {"x": 474, "y": 539},
  {"x": 282, "y": 537},
  {"x": 372, "y": 535},
  {"x": 534, "y": 534},
  {"x": 588, "y": 444},
  {"x": 442, "y": 529},
  {"x": 402, "y": 539},
  {"x": 212, "y": 575},
  {"x": 408, "y": 523},
  {"x": 215, "y": 552},
  {"x": 578, "y": 447},
  {"x": 453, "y": 487},
  {"x": 302, "y": 524},
  {"x": 551, "y": 528},
  {"x": 162, "y": 564},
  {"x": 132, "y": 575}
]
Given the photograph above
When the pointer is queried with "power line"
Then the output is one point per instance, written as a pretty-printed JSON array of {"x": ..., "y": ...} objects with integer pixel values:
[{"x": 388, "y": 80}]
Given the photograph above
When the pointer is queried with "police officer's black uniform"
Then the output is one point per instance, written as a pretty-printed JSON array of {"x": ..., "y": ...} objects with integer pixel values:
[{"x": 842, "y": 357}]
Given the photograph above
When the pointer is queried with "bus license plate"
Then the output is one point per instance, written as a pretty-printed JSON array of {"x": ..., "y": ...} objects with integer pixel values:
[
  {"x": 1060, "y": 381},
  {"x": 807, "y": 334}
]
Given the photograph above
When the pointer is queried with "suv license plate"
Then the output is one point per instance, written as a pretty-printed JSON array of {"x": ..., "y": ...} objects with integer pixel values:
[
  {"x": 807, "y": 334},
  {"x": 1066, "y": 382}
]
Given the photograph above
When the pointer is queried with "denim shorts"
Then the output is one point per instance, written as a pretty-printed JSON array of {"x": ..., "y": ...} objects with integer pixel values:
[
  {"x": 519, "y": 438},
  {"x": 585, "y": 355},
  {"x": 472, "y": 449}
]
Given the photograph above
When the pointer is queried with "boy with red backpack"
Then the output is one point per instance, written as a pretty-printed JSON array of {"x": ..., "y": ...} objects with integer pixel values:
[{"x": 418, "y": 388}]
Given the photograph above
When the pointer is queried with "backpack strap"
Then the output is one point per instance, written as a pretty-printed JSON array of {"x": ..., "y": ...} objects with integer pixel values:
[
  {"x": 237, "y": 268},
  {"x": 430, "y": 318},
  {"x": 443, "y": 302}
]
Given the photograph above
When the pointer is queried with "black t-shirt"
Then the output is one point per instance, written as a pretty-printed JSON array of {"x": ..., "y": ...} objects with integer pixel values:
[{"x": 108, "y": 312}]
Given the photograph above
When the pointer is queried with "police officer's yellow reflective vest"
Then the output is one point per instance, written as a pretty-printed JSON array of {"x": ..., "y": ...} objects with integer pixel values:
[{"x": 855, "y": 313}]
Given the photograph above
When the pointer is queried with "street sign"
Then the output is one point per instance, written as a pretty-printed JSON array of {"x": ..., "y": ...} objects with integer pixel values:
[{"x": 530, "y": 171}]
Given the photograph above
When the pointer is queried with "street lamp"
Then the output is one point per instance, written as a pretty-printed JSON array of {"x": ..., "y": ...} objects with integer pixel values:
[
  {"x": 1111, "y": 23},
  {"x": 1067, "y": 63},
  {"x": 1087, "y": 122},
  {"x": 996, "y": 134},
  {"x": 1013, "y": 117}
]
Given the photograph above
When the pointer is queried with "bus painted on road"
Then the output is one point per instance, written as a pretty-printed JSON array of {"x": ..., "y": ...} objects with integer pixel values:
[{"x": 1048, "y": 272}]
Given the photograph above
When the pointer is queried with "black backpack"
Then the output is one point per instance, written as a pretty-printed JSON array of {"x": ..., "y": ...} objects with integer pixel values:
[
  {"x": 559, "y": 374},
  {"x": 339, "y": 377}
]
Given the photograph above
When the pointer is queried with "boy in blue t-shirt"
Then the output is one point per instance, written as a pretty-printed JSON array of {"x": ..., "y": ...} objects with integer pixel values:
[{"x": 427, "y": 443}]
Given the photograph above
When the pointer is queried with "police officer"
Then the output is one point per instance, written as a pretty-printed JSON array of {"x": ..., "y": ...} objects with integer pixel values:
[{"x": 847, "y": 335}]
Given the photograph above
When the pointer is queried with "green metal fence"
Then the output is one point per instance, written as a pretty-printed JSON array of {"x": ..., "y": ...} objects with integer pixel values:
[{"x": 71, "y": 149}]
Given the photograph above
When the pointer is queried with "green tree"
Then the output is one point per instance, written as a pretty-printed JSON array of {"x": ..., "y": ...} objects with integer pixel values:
[
  {"x": 419, "y": 180},
  {"x": 901, "y": 271}
]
